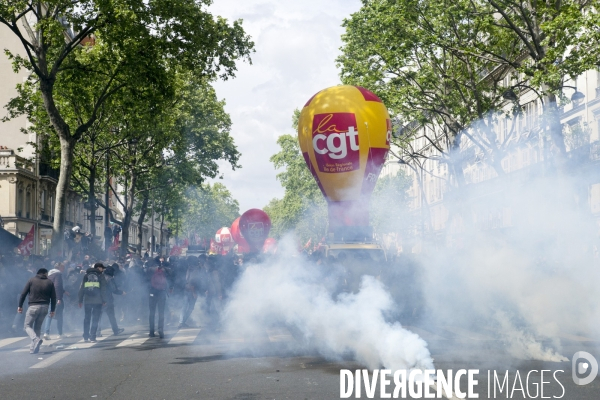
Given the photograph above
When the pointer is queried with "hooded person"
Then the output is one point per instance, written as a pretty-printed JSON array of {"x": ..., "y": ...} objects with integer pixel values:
[
  {"x": 92, "y": 294},
  {"x": 56, "y": 276},
  {"x": 109, "y": 307},
  {"x": 41, "y": 295}
]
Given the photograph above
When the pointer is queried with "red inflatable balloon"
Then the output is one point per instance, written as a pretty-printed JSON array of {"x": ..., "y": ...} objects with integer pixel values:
[
  {"x": 243, "y": 246},
  {"x": 255, "y": 225},
  {"x": 270, "y": 246}
]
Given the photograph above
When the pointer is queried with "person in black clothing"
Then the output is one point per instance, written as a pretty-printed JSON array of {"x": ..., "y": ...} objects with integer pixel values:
[
  {"x": 41, "y": 294},
  {"x": 109, "y": 308},
  {"x": 92, "y": 293},
  {"x": 160, "y": 282},
  {"x": 56, "y": 276}
]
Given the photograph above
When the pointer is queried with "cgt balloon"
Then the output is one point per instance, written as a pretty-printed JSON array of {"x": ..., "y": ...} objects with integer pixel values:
[
  {"x": 236, "y": 233},
  {"x": 255, "y": 225},
  {"x": 344, "y": 133}
]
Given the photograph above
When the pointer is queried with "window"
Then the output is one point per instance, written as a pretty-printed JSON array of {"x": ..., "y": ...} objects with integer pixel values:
[
  {"x": 28, "y": 205},
  {"x": 20, "y": 199}
]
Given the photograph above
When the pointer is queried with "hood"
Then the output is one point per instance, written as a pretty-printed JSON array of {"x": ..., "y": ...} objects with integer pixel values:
[
  {"x": 41, "y": 276},
  {"x": 53, "y": 271}
]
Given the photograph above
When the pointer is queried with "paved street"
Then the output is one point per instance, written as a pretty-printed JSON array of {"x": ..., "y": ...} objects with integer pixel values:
[{"x": 203, "y": 364}]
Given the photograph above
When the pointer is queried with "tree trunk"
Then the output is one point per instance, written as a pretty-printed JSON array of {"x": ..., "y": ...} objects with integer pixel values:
[
  {"x": 67, "y": 147},
  {"x": 92, "y": 200},
  {"x": 141, "y": 219},
  {"x": 128, "y": 214},
  {"x": 553, "y": 128},
  {"x": 162, "y": 223},
  {"x": 66, "y": 168}
]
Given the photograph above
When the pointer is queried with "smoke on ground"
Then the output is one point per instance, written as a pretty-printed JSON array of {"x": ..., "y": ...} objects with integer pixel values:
[{"x": 288, "y": 291}]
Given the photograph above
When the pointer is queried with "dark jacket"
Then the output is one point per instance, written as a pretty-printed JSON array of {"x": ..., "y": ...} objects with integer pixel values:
[
  {"x": 57, "y": 279},
  {"x": 87, "y": 296},
  {"x": 111, "y": 287},
  {"x": 41, "y": 292}
]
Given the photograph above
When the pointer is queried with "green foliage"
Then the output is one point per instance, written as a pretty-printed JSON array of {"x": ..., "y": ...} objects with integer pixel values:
[
  {"x": 302, "y": 209},
  {"x": 83, "y": 54},
  {"x": 207, "y": 209},
  {"x": 443, "y": 65}
]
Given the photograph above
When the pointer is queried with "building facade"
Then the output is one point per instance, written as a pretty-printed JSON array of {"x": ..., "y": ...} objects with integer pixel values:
[
  {"x": 28, "y": 184},
  {"x": 527, "y": 152}
]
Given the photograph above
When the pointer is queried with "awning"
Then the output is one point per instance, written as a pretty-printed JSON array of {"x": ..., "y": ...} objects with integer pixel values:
[{"x": 8, "y": 241}]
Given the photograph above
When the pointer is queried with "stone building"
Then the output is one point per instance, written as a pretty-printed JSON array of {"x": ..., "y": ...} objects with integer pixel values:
[{"x": 527, "y": 153}]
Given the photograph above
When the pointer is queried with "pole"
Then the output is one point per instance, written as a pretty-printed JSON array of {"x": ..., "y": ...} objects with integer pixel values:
[
  {"x": 152, "y": 244},
  {"x": 106, "y": 211}
]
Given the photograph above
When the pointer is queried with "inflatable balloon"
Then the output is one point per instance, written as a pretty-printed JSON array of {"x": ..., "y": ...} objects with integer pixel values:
[
  {"x": 344, "y": 133},
  {"x": 255, "y": 225},
  {"x": 243, "y": 246},
  {"x": 223, "y": 236},
  {"x": 270, "y": 246}
]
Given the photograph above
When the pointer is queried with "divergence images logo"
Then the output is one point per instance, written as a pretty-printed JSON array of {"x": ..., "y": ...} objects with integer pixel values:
[
  {"x": 581, "y": 367},
  {"x": 335, "y": 141}
]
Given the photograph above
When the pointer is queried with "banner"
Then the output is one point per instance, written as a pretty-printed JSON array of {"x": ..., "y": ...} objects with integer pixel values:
[{"x": 26, "y": 246}]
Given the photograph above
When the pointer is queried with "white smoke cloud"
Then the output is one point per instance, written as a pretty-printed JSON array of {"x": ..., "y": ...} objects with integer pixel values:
[{"x": 288, "y": 291}]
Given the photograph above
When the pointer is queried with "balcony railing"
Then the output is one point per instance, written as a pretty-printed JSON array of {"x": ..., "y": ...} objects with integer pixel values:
[{"x": 47, "y": 170}]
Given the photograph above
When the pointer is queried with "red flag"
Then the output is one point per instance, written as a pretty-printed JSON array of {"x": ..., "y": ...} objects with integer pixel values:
[
  {"x": 26, "y": 246},
  {"x": 308, "y": 243},
  {"x": 175, "y": 251}
]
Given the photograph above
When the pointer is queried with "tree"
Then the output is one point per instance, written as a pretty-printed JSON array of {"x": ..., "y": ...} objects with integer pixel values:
[
  {"x": 207, "y": 209},
  {"x": 302, "y": 208},
  {"x": 110, "y": 46},
  {"x": 412, "y": 54},
  {"x": 443, "y": 65}
]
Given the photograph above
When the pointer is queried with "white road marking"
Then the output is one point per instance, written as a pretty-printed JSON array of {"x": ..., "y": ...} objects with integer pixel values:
[
  {"x": 8, "y": 341},
  {"x": 136, "y": 339},
  {"x": 467, "y": 334},
  {"x": 52, "y": 359},
  {"x": 46, "y": 342},
  {"x": 185, "y": 336},
  {"x": 82, "y": 344},
  {"x": 279, "y": 335}
]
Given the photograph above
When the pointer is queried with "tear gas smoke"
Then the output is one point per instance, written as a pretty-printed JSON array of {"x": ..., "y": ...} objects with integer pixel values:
[
  {"x": 285, "y": 291},
  {"x": 527, "y": 284}
]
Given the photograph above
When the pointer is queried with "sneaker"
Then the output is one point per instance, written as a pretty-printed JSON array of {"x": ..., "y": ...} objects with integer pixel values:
[
  {"x": 46, "y": 336},
  {"x": 86, "y": 340},
  {"x": 151, "y": 334},
  {"x": 119, "y": 331},
  {"x": 93, "y": 340},
  {"x": 161, "y": 335},
  {"x": 59, "y": 337},
  {"x": 36, "y": 347}
]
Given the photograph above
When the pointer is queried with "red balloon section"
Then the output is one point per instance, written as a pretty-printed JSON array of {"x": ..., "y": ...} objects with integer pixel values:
[
  {"x": 270, "y": 246},
  {"x": 243, "y": 246},
  {"x": 255, "y": 225}
]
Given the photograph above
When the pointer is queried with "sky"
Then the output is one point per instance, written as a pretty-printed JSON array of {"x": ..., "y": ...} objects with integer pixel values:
[{"x": 296, "y": 45}]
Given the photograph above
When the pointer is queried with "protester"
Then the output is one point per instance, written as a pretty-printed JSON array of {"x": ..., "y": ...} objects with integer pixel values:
[
  {"x": 109, "y": 307},
  {"x": 41, "y": 294},
  {"x": 56, "y": 276},
  {"x": 193, "y": 288},
  {"x": 159, "y": 284},
  {"x": 92, "y": 293}
]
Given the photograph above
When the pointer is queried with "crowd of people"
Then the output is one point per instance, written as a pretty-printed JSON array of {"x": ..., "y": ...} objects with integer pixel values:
[{"x": 93, "y": 294}]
